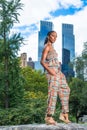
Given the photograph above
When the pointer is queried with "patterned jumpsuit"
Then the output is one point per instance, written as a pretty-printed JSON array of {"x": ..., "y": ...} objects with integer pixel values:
[{"x": 57, "y": 85}]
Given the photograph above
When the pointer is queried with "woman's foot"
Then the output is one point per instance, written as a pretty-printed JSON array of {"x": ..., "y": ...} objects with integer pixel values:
[
  {"x": 50, "y": 121},
  {"x": 64, "y": 118}
]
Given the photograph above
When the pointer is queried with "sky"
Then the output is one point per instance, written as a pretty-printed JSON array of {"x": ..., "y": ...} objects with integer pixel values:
[{"x": 56, "y": 11}]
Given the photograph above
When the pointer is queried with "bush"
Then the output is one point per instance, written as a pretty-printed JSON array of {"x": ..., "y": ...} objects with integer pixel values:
[{"x": 32, "y": 111}]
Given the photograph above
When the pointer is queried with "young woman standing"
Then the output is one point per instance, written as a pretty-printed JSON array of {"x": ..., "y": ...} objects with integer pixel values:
[{"x": 57, "y": 84}]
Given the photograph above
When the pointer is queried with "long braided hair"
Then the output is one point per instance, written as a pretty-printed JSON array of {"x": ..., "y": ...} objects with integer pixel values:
[{"x": 46, "y": 39}]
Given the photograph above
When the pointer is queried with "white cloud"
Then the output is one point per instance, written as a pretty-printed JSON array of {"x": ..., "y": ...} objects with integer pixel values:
[
  {"x": 68, "y": 3},
  {"x": 36, "y": 10}
]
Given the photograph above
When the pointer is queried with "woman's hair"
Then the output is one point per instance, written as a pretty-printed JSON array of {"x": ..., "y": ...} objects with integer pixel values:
[{"x": 48, "y": 34}]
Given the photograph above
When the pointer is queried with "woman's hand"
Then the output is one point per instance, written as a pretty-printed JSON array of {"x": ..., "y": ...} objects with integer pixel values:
[{"x": 52, "y": 71}]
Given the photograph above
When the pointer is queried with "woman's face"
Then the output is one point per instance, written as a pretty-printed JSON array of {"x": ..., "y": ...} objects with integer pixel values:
[{"x": 52, "y": 37}]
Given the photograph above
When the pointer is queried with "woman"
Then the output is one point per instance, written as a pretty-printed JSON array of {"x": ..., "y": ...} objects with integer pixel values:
[{"x": 57, "y": 84}]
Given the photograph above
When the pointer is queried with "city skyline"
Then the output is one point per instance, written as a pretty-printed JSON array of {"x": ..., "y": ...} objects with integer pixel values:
[{"x": 57, "y": 12}]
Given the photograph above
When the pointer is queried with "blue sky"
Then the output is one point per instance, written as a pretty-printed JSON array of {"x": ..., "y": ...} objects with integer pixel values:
[{"x": 57, "y": 11}]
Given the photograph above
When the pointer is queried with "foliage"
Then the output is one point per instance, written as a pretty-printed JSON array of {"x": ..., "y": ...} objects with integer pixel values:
[
  {"x": 77, "y": 86},
  {"x": 84, "y": 52},
  {"x": 11, "y": 90},
  {"x": 34, "y": 80},
  {"x": 32, "y": 110},
  {"x": 83, "y": 100},
  {"x": 81, "y": 64}
]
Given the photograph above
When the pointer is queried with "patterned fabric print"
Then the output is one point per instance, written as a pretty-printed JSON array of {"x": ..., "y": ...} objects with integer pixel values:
[
  {"x": 52, "y": 94},
  {"x": 63, "y": 93},
  {"x": 52, "y": 55},
  {"x": 52, "y": 59},
  {"x": 57, "y": 85},
  {"x": 64, "y": 97}
]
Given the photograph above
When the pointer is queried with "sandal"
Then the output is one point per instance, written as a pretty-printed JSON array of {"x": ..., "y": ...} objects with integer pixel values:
[
  {"x": 63, "y": 118},
  {"x": 50, "y": 121}
]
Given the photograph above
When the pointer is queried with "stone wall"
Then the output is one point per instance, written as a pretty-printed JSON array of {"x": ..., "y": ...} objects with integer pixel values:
[{"x": 60, "y": 126}]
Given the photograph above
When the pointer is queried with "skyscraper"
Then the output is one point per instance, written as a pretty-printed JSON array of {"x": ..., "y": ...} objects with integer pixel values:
[
  {"x": 68, "y": 49},
  {"x": 45, "y": 27}
]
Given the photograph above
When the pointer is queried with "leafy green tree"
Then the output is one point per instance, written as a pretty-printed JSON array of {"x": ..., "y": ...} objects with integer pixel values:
[
  {"x": 84, "y": 56},
  {"x": 35, "y": 95},
  {"x": 11, "y": 82},
  {"x": 34, "y": 80},
  {"x": 84, "y": 52},
  {"x": 79, "y": 66},
  {"x": 83, "y": 100},
  {"x": 76, "y": 86}
]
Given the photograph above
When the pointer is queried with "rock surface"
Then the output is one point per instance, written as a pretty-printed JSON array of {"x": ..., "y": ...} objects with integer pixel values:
[{"x": 60, "y": 126}]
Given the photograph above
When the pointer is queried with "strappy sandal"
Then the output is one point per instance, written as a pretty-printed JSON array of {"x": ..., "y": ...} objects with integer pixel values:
[
  {"x": 62, "y": 118},
  {"x": 50, "y": 121}
]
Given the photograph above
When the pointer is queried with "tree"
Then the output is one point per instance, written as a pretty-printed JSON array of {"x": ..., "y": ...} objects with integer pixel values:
[
  {"x": 79, "y": 66},
  {"x": 79, "y": 85},
  {"x": 10, "y": 69},
  {"x": 76, "y": 96},
  {"x": 34, "y": 80},
  {"x": 84, "y": 52},
  {"x": 84, "y": 56},
  {"x": 83, "y": 100}
]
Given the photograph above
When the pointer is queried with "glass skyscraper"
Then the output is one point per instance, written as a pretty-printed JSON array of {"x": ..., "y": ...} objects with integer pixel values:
[
  {"x": 45, "y": 27},
  {"x": 68, "y": 49}
]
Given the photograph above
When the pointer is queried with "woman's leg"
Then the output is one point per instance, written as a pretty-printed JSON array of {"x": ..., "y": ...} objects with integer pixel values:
[
  {"x": 52, "y": 94},
  {"x": 52, "y": 98},
  {"x": 64, "y": 92},
  {"x": 64, "y": 98}
]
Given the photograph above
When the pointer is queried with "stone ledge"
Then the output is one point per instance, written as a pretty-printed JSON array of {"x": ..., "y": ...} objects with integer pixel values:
[{"x": 60, "y": 126}]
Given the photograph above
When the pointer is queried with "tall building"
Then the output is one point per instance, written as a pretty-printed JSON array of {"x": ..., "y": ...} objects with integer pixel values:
[
  {"x": 65, "y": 56},
  {"x": 68, "y": 49},
  {"x": 45, "y": 27},
  {"x": 23, "y": 59}
]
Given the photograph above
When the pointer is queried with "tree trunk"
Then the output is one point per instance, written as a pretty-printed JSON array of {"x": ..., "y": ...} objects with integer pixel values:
[{"x": 6, "y": 81}]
